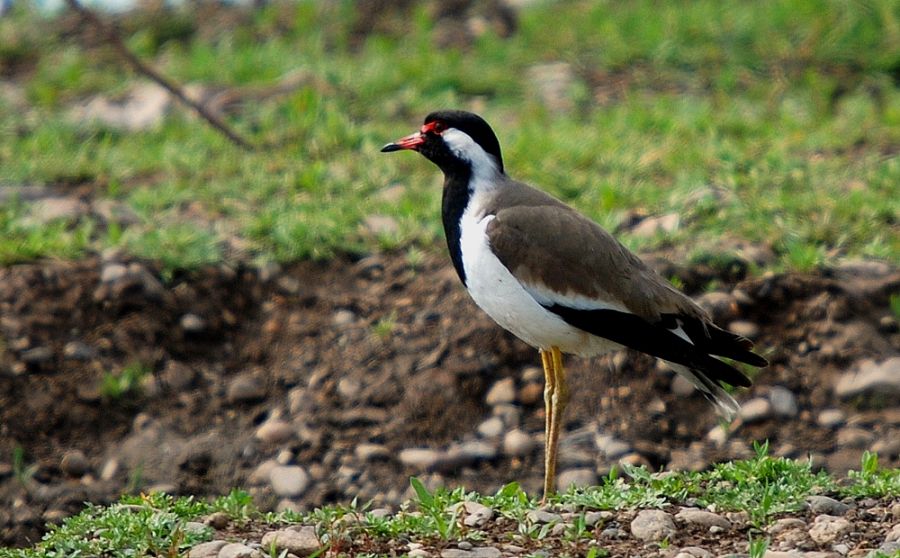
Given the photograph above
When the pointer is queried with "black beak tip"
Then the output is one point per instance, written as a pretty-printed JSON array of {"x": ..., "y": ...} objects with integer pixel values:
[{"x": 390, "y": 147}]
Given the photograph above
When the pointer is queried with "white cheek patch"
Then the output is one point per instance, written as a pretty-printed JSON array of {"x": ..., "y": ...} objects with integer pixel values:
[{"x": 463, "y": 146}]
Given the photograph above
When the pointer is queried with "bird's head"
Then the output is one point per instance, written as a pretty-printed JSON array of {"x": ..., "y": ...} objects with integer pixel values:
[{"x": 455, "y": 140}]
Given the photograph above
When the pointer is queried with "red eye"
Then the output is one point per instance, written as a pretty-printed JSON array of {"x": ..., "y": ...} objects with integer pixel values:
[{"x": 435, "y": 127}]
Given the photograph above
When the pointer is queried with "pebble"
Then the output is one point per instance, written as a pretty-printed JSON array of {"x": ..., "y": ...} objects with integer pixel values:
[
  {"x": 681, "y": 386},
  {"x": 543, "y": 516},
  {"x": 579, "y": 478},
  {"x": 300, "y": 542},
  {"x": 652, "y": 526},
  {"x": 703, "y": 518},
  {"x": 503, "y": 391},
  {"x": 720, "y": 305},
  {"x": 756, "y": 409},
  {"x": 744, "y": 328},
  {"x": 109, "y": 470},
  {"x": 77, "y": 350},
  {"x": 288, "y": 481},
  {"x": 192, "y": 323},
  {"x": 262, "y": 473},
  {"x": 74, "y": 463},
  {"x": 831, "y": 418},
  {"x": 112, "y": 272},
  {"x": 418, "y": 553},
  {"x": 826, "y": 505},
  {"x": 612, "y": 447},
  {"x": 245, "y": 388},
  {"x": 491, "y": 428},
  {"x": 238, "y": 550},
  {"x": 274, "y": 431},
  {"x": 419, "y": 458},
  {"x": 856, "y": 438},
  {"x": 217, "y": 520},
  {"x": 651, "y": 226},
  {"x": 343, "y": 317},
  {"x": 694, "y": 552},
  {"x": 372, "y": 452},
  {"x": 786, "y": 524},
  {"x": 690, "y": 459},
  {"x": 870, "y": 378},
  {"x": 36, "y": 355},
  {"x": 827, "y": 528},
  {"x": 477, "y": 552},
  {"x": 894, "y": 534},
  {"x": 207, "y": 550},
  {"x": 477, "y": 515},
  {"x": 784, "y": 402},
  {"x": 531, "y": 393},
  {"x": 517, "y": 443}
]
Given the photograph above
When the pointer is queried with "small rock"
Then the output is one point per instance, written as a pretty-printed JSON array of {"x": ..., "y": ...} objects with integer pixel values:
[
  {"x": 592, "y": 518},
  {"x": 744, "y": 328},
  {"x": 261, "y": 474},
  {"x": 274, "y": 431},
  {"x": 419, "y": 458},
  {"x": 543, "y": 516},
  {"x": 855, "y": 438},
  {"x": 756, "y": 410},
  {"x": 826, "y": 505},
  {"x": 703, "y": 518},
  {"x": 109, "y": 470},
  {"x": 381, "y": 225},
  {"x": 517, "y": 443},
  {"x": 531, "y": 393},
  {"x": 721, "y": 306},
  {"x": 74, "y": 463},
  {"x": 694, "y": 552},
  {"x": 491, "y": 428},
  {"x": 871, "y": 378},
  {"x": 372, "y": 452},
  {"x": 343, "y": 317},
  {"x": 112, "y": 272},
  {"x": 717, "y": 436},
  {"x": 192, "y": 323},
  {"x": 238, "y": 550},
  {"x": 690, "y": 459},
  {"x": 476, "y": 552},
  {"x": 612, "y": 447},
  {"x": 652, "y": 526},
  {"x": 245, "y": 388},
  {"x": 37, "y": 355},
  {"x": 579, "y": 478},
  {"x": 784, "y": 402},
  {"x": 288, "y": 481},
  {"x": 477, "y": 515},
  {"x": 894, "y": 534},
  {"x": 651, "y": 226},
  {"x": 418, "y": 553},
  {"x": 786, "y": 524},
  {"x": 76, "y": 350},
  {"x": 207, "y": 550},
  {"x": 831, "y": 418},
  {"x": 826, "y": 529},
  {"x": 54, "y": 208},
  {"x": 301, "y": 542},
  {"x": 503, "y": 391},
  {"x": 217, "y": 520},
  {"x": 474, "y": 450},
  {"x": 681, "y": 386}
]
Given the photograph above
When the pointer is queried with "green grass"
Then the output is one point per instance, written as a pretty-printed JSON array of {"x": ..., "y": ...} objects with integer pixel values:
[
  {"x": 778, "y": 126},
  {"x": 764, "y": 486}
]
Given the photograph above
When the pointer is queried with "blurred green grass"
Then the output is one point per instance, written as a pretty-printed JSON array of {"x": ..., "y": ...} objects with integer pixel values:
[{"x": 776, "y": 123}]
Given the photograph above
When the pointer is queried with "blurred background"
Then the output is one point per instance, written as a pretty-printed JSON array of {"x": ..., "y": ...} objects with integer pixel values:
[{"x": 266, "y": 302}]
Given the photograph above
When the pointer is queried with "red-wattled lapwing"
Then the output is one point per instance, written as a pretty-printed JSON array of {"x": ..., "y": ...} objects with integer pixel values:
[{"x": 558, "y": 281}]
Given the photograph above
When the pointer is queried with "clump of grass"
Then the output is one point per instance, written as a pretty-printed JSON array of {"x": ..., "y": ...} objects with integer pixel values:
[
  {"x": 116, "y": 386},
  {"x": 157, "y": 524}
]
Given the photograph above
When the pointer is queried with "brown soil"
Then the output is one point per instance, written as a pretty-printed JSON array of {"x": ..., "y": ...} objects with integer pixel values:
[{"x": 408, "y": 366}]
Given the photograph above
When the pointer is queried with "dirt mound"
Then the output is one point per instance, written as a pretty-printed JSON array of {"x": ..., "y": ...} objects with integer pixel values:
[{"x": 113, "y": 380}]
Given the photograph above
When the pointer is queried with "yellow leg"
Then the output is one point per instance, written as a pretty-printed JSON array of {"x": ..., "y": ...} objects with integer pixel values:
[{"x": 556, "y": 397}]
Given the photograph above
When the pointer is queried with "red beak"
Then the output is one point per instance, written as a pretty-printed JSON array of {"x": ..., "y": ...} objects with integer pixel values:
[{"x": 412, "y": 141}]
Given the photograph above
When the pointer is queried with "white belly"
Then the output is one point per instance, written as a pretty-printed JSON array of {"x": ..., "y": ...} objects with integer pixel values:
[{"x": 497, "y": 292}]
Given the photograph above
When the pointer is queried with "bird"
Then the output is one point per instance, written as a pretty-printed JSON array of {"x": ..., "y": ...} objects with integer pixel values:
[{"x": 558, "y": 281}]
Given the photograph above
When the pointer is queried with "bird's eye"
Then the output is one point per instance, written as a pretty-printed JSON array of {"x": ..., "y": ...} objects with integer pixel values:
[{"x": 438, "y": 127}]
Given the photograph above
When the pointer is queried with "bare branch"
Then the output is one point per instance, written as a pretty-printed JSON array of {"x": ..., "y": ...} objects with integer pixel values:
[{"x": 116, "y": 41}]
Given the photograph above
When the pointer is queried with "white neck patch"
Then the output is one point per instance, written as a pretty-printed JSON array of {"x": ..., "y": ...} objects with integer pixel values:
[{"x": 484, "y": 165}]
